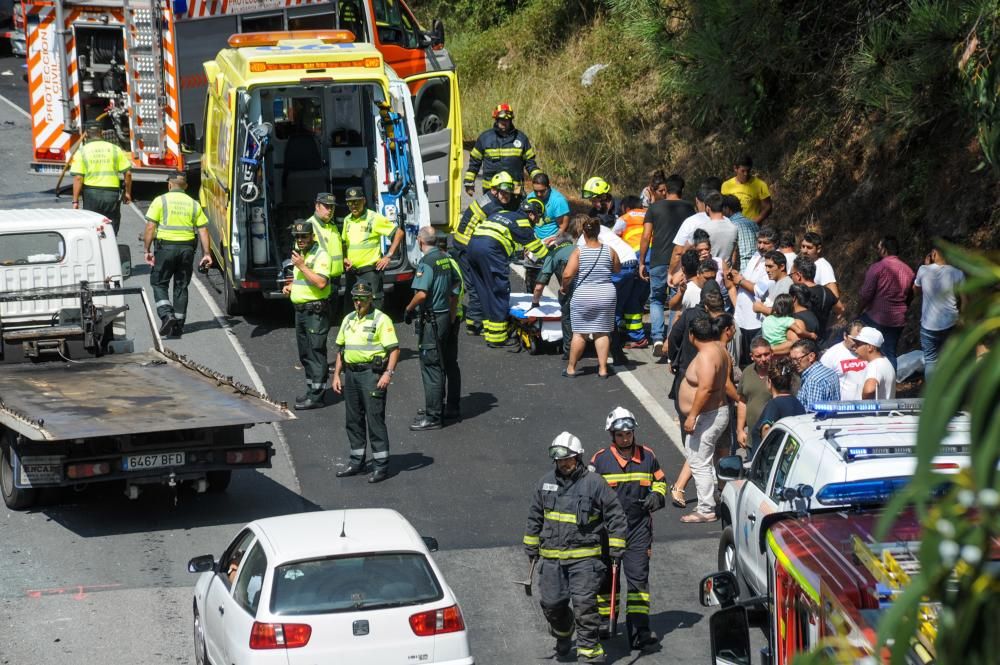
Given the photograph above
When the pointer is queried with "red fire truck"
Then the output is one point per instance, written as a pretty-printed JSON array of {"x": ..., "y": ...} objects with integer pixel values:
[
  {"x": 137, "y": 66},
  {"x": 829, "y": 582}
]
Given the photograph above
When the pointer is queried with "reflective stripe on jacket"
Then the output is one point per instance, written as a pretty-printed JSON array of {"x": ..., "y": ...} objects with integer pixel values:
[
  {"x": 176, "y": 216},
  {"x": 631, "y": 478},
  {"x": 495, "y": 153},
  {"x": 478, "y": 210},
  {"x": 511, "y": 228}
]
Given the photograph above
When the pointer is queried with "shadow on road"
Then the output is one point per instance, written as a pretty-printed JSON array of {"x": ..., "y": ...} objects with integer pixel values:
[{"x": 476, "y": 404}]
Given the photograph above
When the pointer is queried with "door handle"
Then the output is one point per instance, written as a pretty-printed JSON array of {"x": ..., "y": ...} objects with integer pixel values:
[
  {"x": 751, "y": 517},
  {"x": 222, "y": 610}
]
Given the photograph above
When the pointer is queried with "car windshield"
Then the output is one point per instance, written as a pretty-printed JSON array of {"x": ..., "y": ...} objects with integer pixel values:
[{"x": 352, "y": 583}]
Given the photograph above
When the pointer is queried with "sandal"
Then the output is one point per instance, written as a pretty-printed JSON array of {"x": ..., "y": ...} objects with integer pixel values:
[
  {"x": 569, "y": 375},
  {"x": 677, "y": 497},
  {"x": 699, "y": 518}
]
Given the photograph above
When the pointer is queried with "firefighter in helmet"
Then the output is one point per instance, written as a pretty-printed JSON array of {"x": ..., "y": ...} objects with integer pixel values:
[
  {"x": 603, "y": 205},
  {"x": 502, "y": 147},
  {"x": 571, "y": 513},
  {"x": 634, "y": 473}
]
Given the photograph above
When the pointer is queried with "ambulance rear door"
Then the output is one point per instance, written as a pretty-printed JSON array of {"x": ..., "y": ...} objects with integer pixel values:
[{"x": 439, "y": 135}]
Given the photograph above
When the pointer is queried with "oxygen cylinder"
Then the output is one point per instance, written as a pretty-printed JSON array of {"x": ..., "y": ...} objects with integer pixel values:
[{"x": 258, "y": 236}]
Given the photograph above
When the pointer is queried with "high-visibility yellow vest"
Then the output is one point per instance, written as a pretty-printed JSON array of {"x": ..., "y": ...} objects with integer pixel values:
[
  {"x": 176, "y": 216},
  {"x": 329, "y": 241},
  {"x": 100, "y": 163},
  {"x": 302, "y": 289},
  {"x": 364, "y": 339},
  {"x": 363, "y": 237}
]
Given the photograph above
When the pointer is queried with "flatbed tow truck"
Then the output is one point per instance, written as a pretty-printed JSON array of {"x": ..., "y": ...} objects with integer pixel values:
[{"x": 79, "y": 407}]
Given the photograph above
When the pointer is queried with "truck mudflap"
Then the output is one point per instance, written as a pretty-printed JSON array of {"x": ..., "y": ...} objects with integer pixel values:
[{"x": 166, "y": 466}]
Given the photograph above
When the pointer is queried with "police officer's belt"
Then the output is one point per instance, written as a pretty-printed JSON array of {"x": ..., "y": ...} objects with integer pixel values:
[
  {"x": 363, "y": 269},
  {"x": 106, "y": 189},
  {"x": 376, "y": 364},
  {"x": 193, "y": 242},
  {"x": 311, "y": 306}
]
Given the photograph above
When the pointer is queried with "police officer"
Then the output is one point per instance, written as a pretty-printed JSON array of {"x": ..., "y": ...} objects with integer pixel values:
[
  {"x": 99, "y": 170},
  {"x": 328, "y": 236},
  {"x": 572, "y": 511},
  {"x": 555, "y": 263},
  {"x": 310, "y": 292},
  {"x": 363, "y": 231},
  {"x": 436, "y": 289},
  {"x": 173, "y": 220},
  {"x": 634, "y": 473},
  {"x": 503, "y": 147},
  {"x": 490, "y": 249},
  {"x": 367, "y": 353},
  {"x": 603, "y": 205},
  {"x": 499, "y": 198}
]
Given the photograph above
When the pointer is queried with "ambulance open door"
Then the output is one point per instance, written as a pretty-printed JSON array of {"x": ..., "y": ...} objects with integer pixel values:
[{"x": 439, "y": 136}]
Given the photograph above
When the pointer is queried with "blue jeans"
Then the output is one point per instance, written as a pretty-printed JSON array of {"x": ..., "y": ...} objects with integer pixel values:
[
  {"x": 931, "y": 342},
  {"x": 657, "y": 298},
  {"x": 891, "y": 337}
]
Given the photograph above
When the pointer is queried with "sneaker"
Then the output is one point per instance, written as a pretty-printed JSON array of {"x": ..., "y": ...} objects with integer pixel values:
[
  {"x": 641, "y": 344},
  {"x": 657, "y": 349}
]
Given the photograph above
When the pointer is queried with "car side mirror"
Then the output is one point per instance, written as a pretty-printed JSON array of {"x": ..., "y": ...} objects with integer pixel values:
[
  {"x": 125, "y": 256},
  {"x": 189, "y": 137},
  {"x": 437, "y": 33},
  {"x": 719, "y": 589},
  {"x": 730, "y": 468},
  {"x": 730, "y": 634},
  {"x": 430, "y": 542},
  {"x": 202, "y": 564}
]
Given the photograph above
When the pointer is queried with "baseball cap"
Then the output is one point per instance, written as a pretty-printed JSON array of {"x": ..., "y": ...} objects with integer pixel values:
[
  {"x": 326, "y": 198},
  {"x": 870, "y": 336}
]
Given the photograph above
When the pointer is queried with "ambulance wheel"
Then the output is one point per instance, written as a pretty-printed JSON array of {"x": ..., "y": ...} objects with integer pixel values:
[
  {"x": 15, "y": 498},
  {"x": 727, "y": 551},
  {"x": 234, "y": 301},
  {"x": 432, "y": 118}
]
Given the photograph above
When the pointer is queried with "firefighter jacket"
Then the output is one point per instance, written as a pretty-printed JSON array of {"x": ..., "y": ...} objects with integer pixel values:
[
  {"x": 494, "y": 153},
  {"x": 511, "y": 228},
  {"x": 478, "y": 210},
  {"x": 570, "y": 515},
  {"x": 631, "y": 478}
]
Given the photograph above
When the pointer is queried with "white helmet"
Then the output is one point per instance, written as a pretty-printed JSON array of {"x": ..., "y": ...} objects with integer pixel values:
[
  {"x": 565, "y": 445},
  {"x": 620, "y": 419}
]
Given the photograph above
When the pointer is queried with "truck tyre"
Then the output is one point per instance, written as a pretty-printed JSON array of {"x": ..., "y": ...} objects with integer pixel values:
[
  {"x": 15, "y": 498},
  {"x": 218, "y": 481},
  {"x": 433, "y": 117},
  {"x": 727, "y": 551}
]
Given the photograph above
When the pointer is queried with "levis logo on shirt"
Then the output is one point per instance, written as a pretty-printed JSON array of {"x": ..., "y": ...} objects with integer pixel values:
[{"x": 852, "y": 365}]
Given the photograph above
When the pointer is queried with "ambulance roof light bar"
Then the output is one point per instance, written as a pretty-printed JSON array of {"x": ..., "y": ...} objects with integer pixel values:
[
  {"x": 868, "y": 407},
  {"x": 273, "y": 38}
]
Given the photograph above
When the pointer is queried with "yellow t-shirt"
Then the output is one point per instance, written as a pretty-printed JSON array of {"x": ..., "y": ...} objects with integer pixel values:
[{"x": 750, "y": 194}]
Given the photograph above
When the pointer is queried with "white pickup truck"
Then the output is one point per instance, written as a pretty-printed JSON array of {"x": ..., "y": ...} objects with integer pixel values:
[{"x": 820, "y": 455}]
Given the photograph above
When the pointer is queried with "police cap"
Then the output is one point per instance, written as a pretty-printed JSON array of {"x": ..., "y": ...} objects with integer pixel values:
[
  {"x": 354, "y": 194},
  {"x": 361, "y": 290},
  {"x": 93, "y": 127},
  {"x": 302, "y": 228},
  {"x": 327, "y": 199}
]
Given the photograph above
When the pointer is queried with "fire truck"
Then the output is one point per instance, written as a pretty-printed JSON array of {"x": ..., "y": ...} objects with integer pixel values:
[
  {"x": 830, "y": 580},
  {"x": 137, "y": 67}
]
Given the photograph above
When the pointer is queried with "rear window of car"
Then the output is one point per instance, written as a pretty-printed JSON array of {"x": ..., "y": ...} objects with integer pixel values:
[
  {"x": 353, "y": 583},
  {"x": 20, "y": 249}
]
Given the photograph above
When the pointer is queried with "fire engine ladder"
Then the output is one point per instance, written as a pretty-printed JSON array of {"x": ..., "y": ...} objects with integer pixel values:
[
  {"x": 894, "y": 565},
  {"x": 143, "y": 39}
]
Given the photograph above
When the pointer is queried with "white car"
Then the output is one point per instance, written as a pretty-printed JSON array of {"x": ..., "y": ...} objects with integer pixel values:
[
  {"x": 339, "y": 586},
  {"x": 832, "y": 452}
]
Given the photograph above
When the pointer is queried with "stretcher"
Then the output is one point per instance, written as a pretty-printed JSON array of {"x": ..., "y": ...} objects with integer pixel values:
[{"x": 536, "y": 327}]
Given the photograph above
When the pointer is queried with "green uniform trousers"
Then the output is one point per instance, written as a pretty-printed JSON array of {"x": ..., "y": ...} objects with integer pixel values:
[
  {"x": 312, "y": 325},
  {"x": 365, "y": 405},
  {"x": 372, "y": 278},
  {"x": 434, "y": 329},
  {"x": 173, "y": 260},
  {"x": 107, "y": 202}
]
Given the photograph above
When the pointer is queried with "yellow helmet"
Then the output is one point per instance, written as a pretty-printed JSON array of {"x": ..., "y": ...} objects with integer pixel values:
[
  {"x": 503, "y": 181},
  {"x": 596, "y": 186}
]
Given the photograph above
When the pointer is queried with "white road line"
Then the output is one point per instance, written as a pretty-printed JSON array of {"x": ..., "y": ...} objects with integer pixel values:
[
  {"x": 244, "y": 358},
  {"x": 660, "y": 415},
  {"x": 15, "y": 107}
]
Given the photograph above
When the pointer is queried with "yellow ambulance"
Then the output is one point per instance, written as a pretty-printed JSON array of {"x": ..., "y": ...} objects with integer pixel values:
[{"x": 292, "y": 114}]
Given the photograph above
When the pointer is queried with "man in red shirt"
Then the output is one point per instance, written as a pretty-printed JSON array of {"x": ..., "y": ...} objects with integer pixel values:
[{"x": 886, "y": 294}]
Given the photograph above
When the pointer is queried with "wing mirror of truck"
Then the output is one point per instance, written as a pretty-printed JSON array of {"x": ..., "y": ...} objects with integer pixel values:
[
  {"x": 729, "y": 629},
  {"x": 719, "y": 589},
  {"x": 730, "y": 468},
  {"x": 125, "y": 256},
  {"x": 431, "y": 542},
  {"x": 436, "y": 35},
  {"x": 202, "y": 564},
  {"x": 189, "y": 137}
]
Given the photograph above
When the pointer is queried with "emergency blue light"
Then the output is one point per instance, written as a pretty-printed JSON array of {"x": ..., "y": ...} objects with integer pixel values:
[
  {"x": 860, "y": 492},
  {"x": 825, "y": 409}
]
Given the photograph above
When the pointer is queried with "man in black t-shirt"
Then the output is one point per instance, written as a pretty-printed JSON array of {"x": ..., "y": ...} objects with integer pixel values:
[
  {"x": 823, "y": 302},
  {"x": 663, "y": 218}
]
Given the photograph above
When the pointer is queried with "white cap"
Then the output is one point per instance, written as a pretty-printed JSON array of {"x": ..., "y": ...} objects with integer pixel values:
[{"x": 870, "y": 336}]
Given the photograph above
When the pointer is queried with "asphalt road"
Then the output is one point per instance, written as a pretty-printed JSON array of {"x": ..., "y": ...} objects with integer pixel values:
[{"x": 95, "y": 576}]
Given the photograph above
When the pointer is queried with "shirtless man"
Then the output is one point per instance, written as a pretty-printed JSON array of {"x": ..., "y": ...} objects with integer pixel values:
[{"x": 702, "y": 399}]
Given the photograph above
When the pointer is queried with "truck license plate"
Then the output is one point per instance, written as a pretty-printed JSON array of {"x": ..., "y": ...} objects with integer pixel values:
[{"x": 152, "y": 461}]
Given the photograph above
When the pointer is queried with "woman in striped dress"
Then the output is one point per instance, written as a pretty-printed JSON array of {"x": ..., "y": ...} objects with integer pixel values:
[{"x": 592, "y": 307}]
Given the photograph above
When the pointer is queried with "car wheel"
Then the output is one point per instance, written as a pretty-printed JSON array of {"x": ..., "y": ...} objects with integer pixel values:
[
  {"x": 15, "y": 498},
  {"x": 727, "y": 551},
  {"x": 200, "y": 650},
  {"x": 434, "y": 118}
]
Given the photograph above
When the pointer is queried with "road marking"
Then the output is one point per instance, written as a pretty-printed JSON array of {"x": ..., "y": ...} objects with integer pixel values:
[
  {"x": 660, "y": 415},
  {"x": 16, "y": 107},
  {"x": 234, "y": 341}
]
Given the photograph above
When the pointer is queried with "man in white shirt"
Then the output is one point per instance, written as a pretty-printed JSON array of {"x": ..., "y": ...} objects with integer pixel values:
[
  {"x": 936, "y": 282},
  {"x": 880, "y": 375},
  {"x": 703, "y": 219},
  {"x": 849, "y": 367},
  {"x": 746, "y": 283},
  {"x": 812, "y": 247}
]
